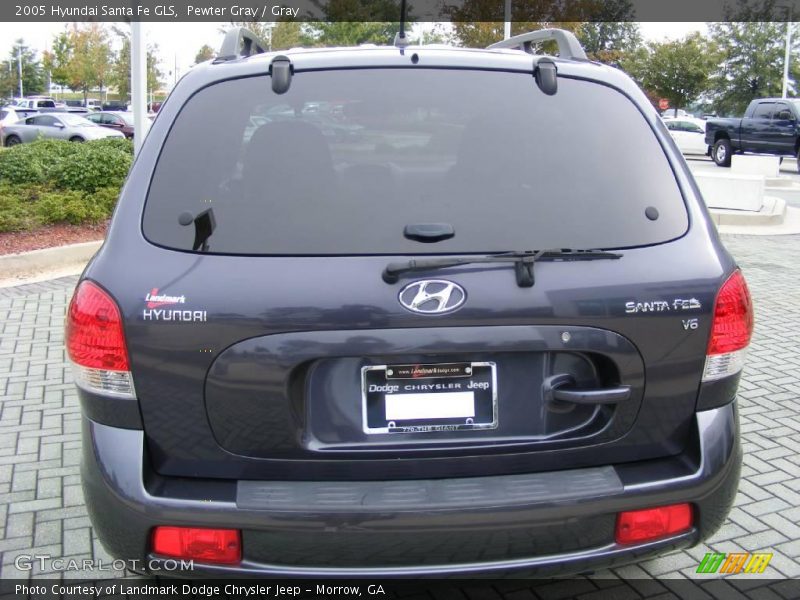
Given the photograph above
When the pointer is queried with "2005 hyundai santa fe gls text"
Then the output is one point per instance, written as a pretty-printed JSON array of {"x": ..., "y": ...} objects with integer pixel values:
[{"x": 373, "y": 320}]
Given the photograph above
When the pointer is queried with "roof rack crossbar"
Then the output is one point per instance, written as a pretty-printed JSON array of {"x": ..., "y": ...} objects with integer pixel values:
[
  {"x": 568, "y": 45},
  {"x": 240, "y": 42}
]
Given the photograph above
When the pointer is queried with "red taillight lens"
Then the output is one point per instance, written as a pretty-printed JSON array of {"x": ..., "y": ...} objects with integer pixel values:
[
  {"x": 733, "y": 317},
  {"x": 637, "y": 526},
  {"x": 94, "y": 330},
  {"x": 192, "y": 543}
]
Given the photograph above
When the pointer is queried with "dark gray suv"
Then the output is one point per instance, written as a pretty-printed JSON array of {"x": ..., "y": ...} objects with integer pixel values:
[{"x": 408, "y": 311}]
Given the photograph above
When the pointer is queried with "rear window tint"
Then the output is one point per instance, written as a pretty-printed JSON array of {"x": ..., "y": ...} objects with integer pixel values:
[{"x": 343, "y": 161}]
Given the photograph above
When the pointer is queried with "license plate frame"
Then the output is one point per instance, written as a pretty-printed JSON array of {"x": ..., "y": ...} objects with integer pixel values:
[{"x": 403, "y": 389}]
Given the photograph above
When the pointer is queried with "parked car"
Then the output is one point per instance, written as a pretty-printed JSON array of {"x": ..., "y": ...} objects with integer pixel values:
[
  {"x": 10, "y": 115},
  {"x": 7, "y": 117},
  {"x": 37, "y": 102},
  {"x": 769, "y": 126},
  {"x": 675, "y": 113},
  {"x": 689, "y": 133},
  {"x": 60, "y": 126},
  {"x": 119, "y": 121},
  {"x": 115, "y": 105},
  {"x": 441, "y": 349}
]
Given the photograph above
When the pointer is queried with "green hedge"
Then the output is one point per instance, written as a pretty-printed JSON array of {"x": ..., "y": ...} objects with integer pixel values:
[
  {"x": 51, "y": 181},
  {"x": 24, "y": 206}
]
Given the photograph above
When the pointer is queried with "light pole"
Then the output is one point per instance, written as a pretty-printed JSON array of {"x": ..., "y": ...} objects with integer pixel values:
[
  {"x": 507, "y": 23},
  {"x": 270, "y": 27},
  {"x": 786, "y": 55},
  {"x": 138, "y": 83},
  {"x": 19, "y": 69}
]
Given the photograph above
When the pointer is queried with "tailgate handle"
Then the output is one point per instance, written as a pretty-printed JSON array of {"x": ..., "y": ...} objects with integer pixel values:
[{"x": 553, "y": 387}]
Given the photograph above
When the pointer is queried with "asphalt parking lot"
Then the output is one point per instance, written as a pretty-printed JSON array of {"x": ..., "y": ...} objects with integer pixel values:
[{"x": 42, "y": 509}]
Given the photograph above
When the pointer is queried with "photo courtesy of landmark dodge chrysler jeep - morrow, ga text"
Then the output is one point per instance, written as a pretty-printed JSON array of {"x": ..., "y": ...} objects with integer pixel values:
[{"x": 371, "y": 320}]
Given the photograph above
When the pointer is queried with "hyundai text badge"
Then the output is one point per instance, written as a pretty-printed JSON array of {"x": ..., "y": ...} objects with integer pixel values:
[{"x": 432, "y": 296}]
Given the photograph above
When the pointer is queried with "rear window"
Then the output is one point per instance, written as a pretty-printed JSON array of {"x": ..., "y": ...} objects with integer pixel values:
[
  {"x": 763, "y": 110},
  {"x": 343, "y": 161}
]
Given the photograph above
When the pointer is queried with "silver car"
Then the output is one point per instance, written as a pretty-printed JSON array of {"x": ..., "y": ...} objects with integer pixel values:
[{"x": 55, "y": 126}]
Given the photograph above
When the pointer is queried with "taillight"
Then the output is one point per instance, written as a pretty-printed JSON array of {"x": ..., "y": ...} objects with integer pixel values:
[
  {"x": 222, "y": 546},
  {"x": 96, "y": 343},
  {"x": 731, "y": 329},
  {"x": 638, "y": 526}
]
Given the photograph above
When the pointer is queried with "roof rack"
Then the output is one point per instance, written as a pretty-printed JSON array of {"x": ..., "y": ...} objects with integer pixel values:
[
  {"x": 240, "y": 42},
  {"x": 568, "y": 45}
]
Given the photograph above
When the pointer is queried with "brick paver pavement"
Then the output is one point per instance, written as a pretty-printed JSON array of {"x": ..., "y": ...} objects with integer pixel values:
[{"x": 41, "y": 505}]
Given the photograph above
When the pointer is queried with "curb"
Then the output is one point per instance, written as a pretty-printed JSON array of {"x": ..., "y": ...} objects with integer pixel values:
[
  {"x": 789, "y": 225},
  {"x": 47, "y": 259},
  {"x": 773, "y": 212}
]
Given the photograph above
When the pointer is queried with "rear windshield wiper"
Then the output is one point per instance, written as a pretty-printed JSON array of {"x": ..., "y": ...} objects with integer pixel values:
[{"x": 523, "y": 262}]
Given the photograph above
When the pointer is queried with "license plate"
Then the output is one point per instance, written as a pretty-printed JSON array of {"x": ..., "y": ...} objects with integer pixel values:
[{"x": 428, "y": 398}]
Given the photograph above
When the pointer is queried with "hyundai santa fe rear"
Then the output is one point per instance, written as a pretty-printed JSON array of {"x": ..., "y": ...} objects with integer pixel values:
[{"x": 408, "y": 311}]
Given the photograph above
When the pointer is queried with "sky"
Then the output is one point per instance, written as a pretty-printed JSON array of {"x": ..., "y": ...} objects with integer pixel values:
[{"x": 178, "y": 43}]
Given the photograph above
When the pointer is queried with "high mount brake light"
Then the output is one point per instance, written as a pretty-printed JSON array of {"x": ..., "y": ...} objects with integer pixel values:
[
  {"x": 731, "y": 329},
  {"x": 96, "y": 343}
]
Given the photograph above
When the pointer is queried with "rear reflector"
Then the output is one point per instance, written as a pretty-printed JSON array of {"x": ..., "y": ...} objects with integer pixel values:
[
  {"x": 731, "y": 329},
  {"x": 637, "y": 526},
  {"x": 96, "y": 343},
  {"x": 223, "y": 546}
]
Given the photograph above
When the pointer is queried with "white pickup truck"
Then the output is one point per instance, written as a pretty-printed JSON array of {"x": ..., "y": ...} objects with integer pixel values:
[{"x": 37, "y": 102}]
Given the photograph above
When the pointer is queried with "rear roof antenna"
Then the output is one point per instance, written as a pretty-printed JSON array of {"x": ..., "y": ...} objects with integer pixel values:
[{"x": 400, "y": 39}]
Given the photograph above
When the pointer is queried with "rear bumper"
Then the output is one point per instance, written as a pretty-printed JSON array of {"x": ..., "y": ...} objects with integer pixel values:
[{"x": 541, "y": 524}]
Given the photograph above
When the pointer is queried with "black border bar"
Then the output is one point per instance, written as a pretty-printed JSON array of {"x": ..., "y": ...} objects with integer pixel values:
[{"x": 550, "y": 11}]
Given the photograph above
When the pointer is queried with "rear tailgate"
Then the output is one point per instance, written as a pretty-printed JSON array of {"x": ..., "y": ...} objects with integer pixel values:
[
  {"x": 265, "y": 350},
  {"x": 266, "y": 381}
]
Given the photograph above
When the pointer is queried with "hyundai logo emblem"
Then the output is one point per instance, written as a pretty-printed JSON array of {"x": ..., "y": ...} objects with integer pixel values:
[{"x": 432, "y": 296}]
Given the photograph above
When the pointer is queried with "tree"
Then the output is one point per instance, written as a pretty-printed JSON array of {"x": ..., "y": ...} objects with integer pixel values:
[
  {"x": 7, "y": 82},
  {"x": 434, "y": 35},
  {"x": 289, "y": 34},
  {"x": 33, "y": 75},
  {"x": 205, "y": 53},
  {"x": 349, "y": 23},
  {"x": 353, "y": 22},
  {"x": 280, "y": 35},
  {"x": 90, "y": 63},
  {"x": 750, "y": 63},
  {"x": 57, "y": 58},
  {"x": 603, "y": 26},
  {"x": 122, "y": 66},
  {"x": 677, "y": 70},
  {"x": 344, "y": 33},
  {"x": 480, "y": 34},
  {"x": 609, "y": 41}
]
